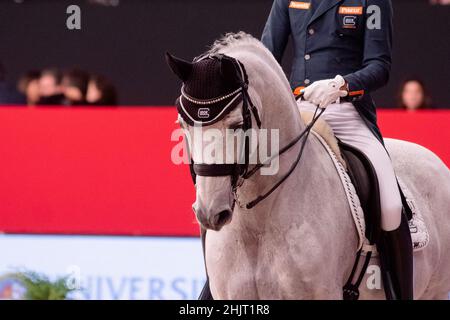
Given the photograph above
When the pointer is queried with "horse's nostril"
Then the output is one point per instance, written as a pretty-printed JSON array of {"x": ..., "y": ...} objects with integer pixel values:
[{"x": 223, "y": 217}]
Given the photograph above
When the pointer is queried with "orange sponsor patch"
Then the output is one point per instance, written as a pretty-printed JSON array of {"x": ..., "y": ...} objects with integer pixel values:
[
  {"x": 356, "y": 93},
  {"x": 298, "y": 90},
  {"x": 351, "y": 10},
  {"x": 299, "y": 5}
]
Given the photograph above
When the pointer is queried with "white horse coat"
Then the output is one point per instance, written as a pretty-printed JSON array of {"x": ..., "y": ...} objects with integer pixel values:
[{"x": 300, "y": 242}]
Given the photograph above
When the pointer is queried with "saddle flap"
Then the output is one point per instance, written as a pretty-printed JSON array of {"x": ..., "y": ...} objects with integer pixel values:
[{"x": 364, "y": 178}]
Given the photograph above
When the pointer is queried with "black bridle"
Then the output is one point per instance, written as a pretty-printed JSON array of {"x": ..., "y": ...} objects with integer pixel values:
[{"x": 240, "y": 170}]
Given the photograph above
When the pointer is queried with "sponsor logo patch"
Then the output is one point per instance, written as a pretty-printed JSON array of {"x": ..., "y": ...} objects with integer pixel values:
[
  {"x": 299, "y": 5},
  {"x": 349, "y": 22},
  {"x": 203, "y": 113},
  {"x": 351, "y": 10}
]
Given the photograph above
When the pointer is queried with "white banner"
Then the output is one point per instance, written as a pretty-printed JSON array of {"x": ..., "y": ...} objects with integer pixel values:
[{"x": 109, "y": 267}]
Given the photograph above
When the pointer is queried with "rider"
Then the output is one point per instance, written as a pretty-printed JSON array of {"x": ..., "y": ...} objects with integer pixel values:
[{"x": 342, "y": 52}]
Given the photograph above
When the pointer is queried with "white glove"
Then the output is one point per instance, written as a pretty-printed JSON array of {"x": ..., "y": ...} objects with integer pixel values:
[{"x": 324, "y": 92}]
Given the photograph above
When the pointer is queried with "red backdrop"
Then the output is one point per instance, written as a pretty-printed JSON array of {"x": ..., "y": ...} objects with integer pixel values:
[{"x": 109, "y": 171}]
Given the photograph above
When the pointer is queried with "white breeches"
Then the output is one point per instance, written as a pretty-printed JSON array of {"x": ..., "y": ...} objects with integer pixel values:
[{"x": 350, "y": 128}]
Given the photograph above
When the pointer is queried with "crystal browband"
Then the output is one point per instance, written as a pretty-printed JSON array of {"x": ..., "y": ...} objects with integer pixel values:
[{"x": 208, "y": 101}]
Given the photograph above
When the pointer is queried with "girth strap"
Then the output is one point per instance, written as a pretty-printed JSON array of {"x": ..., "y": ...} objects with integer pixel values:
[{"x": 351, "y": 290}]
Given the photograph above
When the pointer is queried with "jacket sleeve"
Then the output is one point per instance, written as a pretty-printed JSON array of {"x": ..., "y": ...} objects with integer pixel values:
[
  {"x": 377, "y": 50},
  {"x": 277, "y": 30}
]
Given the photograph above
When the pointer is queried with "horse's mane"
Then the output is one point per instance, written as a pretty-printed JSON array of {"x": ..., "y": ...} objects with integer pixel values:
[
  {"x": 234, "y": 41},
  {"x": 248, "y": 50},
  {"x": 231, "y": 40}
]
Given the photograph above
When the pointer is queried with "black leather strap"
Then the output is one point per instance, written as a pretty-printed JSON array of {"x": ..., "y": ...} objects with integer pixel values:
[{"x": 215, "y": 170}]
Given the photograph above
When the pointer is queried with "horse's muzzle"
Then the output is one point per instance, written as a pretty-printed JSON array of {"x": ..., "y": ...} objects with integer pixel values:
[{"x": 213, "y": 221}]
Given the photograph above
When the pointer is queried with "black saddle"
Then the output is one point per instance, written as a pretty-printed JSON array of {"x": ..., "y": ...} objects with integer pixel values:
[{"x": 364, "y": 178}]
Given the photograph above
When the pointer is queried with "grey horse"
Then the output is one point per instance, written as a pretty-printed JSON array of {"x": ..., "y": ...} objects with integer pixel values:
[{"x": 300, "y": 242}]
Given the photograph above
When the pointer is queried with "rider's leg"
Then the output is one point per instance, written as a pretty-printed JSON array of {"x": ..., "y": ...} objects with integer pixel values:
[
  {"x": 396, "y": 251},
  {"x": 348, "y": 126},
  {"x": 351, "y": 129},
  {"x": 390, "y": 200}
]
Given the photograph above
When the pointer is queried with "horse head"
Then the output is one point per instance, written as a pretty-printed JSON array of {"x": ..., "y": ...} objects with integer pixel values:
[{"x": 220, "y": 111}]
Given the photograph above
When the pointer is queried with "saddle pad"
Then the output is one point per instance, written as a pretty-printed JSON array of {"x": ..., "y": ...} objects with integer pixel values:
[{"x": 419, "y": 232}]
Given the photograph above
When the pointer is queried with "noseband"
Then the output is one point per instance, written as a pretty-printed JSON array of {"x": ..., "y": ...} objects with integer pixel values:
[{"x": 205, "y": 114}]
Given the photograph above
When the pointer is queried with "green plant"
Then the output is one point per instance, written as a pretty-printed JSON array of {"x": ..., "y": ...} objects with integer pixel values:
[{"x": 40, "y": 287}]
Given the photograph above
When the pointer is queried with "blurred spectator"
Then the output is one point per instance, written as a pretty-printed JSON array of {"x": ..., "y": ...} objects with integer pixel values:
[
  {"x": 8, "y": 94},
  {"x": 29, "y": 86},
  {"x": 75, "y": 86},
  {"x": 101, "y": 92},
  {"x": 50, "y": 90},
  {"x": 413, "y": 95},
  {"x": 71, "y": 88}
]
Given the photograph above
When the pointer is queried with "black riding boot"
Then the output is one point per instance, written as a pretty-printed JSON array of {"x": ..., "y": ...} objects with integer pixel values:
[{"x": 396, "y": 257}]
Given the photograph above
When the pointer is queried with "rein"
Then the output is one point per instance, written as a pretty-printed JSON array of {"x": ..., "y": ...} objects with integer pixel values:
[{"x": 250, "y": 173}]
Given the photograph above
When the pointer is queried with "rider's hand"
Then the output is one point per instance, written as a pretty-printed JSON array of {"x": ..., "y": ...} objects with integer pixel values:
[{"x": 324, "y": 92}]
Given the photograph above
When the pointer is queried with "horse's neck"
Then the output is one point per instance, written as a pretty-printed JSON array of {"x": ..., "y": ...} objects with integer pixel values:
[
  {"x": 314, "y": 170},
  {"x": 307, "y": 174},
  {"x": 299, "y": 221},
  {"x": 280, "y": 113},
  {"x": 309, "y": 207}
]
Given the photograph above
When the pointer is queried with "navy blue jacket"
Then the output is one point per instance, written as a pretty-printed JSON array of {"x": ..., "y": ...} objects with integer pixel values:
[{"x": 342, "y": 37}]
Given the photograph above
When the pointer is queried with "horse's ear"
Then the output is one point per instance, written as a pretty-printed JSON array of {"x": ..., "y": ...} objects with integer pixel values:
[
  {"x": 180, "y": 67},
  {"x": 228, "y": 71}
]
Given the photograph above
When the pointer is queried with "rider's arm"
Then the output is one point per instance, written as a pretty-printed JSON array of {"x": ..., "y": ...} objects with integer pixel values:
[
  {"x": 377, "y": 51},
  {"x": 277, "y": 30}
]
